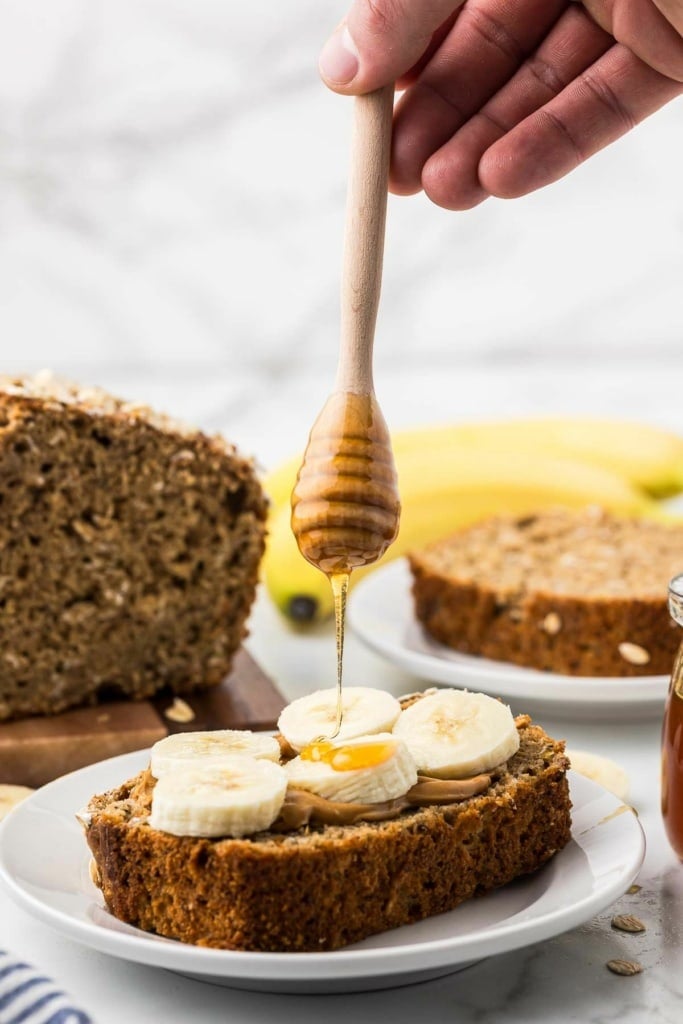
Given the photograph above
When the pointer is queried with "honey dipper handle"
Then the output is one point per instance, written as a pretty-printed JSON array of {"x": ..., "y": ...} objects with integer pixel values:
[{"x": 366, "y": 207}]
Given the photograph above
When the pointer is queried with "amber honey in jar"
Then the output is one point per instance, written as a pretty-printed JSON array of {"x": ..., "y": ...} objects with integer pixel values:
[{"x": 672, "y": 735}]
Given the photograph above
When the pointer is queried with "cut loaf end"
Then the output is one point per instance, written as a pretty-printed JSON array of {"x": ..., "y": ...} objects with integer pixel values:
[{"x": 129, "y": 550}]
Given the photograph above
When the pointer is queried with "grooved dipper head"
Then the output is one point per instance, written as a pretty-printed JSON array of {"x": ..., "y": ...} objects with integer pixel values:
[{"x": 345, "y": 504}]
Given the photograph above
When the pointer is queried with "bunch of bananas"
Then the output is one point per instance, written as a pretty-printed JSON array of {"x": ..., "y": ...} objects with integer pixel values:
[{"x": 451, "y": 476}]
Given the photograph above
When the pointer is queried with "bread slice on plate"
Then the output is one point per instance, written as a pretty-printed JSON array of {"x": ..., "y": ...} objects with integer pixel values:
[
  {"x": 319, "y": 886},
  {"x": 576, "y": 592}
]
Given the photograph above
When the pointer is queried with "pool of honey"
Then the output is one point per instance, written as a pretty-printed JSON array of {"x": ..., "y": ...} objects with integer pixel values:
[{"x": 348, "y": 757}]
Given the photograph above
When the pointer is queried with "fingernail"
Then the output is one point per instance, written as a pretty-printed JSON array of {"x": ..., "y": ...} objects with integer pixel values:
[{"x": 339, "y": 58}]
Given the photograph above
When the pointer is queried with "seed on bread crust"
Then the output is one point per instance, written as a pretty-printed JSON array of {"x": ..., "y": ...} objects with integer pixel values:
[
  {"x": 552, "y": 624},
  {"x": 634, "y": 654}
]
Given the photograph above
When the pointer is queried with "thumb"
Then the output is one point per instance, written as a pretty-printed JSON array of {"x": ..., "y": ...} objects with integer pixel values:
[{"x": 379, "y": 41}]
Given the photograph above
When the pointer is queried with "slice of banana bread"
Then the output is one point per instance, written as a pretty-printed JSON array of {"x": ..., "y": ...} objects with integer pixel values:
[
  {"x": 578, "y": 592},
  {"x": 321, "y": 887},
  {"x": 129, "y": 549}
]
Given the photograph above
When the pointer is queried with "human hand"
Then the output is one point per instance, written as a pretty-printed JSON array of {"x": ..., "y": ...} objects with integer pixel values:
[{"x": 505, "y": 96}]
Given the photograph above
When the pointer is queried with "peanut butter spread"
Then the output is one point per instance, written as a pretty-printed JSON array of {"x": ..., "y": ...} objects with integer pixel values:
[{"x": 303, "y": 808}]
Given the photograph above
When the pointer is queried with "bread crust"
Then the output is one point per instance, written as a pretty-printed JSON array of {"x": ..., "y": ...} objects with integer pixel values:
[
  {"x": 564, "y": 592},
  {"x": 321, "y": 888},
  {"x": 129, "y": 550}
]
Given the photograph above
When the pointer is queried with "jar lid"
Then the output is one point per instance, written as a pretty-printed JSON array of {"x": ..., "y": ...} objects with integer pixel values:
[{"x": 676, "y": 598}]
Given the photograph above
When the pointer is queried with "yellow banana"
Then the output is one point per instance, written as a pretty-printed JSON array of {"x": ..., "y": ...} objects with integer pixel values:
[
  {"x": 649, "y": 457},
  {"x": 442, "y": 491}
]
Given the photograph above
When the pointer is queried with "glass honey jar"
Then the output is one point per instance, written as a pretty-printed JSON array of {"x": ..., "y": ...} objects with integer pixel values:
[{"x": 672, "y": 735}]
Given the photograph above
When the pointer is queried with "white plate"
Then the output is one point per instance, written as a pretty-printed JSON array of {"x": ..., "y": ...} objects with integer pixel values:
[
  {"x": 44, "y": 862},
  {"x": 380, "y": 612}
]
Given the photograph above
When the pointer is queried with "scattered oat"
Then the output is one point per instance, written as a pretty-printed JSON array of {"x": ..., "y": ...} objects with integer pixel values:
[
  {"x": 634, "y": 654},
  {"x": 633, "y": 889},
  {"x": 624, "y": 967},
  {"x": 628, "y": 923},
  {"x": 552, "y": 624},
  {"x": 179, "y": 711}
]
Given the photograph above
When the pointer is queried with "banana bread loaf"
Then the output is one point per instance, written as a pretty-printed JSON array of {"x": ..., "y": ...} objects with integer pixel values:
[
  {"x": 323, "y": 886},
  {"x": 129, "y": 549},
  {"x": 582, "y": 593}
]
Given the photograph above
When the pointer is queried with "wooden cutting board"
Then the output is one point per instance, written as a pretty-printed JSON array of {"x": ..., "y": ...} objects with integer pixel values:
[{"x": 34, "y": 751}]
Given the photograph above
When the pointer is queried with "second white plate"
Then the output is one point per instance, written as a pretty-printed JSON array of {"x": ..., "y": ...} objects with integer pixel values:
[{"x": 380, "y": 612}]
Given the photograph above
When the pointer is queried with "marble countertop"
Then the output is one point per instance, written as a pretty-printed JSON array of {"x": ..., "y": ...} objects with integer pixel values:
[{"x": 172, "y": 178}]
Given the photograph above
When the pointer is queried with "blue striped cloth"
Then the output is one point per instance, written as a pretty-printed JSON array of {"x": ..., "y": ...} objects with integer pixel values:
[{"x": 28, "y": 997}]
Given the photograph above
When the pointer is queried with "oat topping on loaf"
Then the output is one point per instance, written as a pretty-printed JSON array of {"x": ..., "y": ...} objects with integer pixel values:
[
  {"x": 582, "y": 593},
  {"x": 129, "y": 549},
  {"x": 324, "y": 886}
]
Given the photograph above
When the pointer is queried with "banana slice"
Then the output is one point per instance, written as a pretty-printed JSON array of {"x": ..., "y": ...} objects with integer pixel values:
[
  {"x": 185, "y": 751},
  {"x": 606, "y": 773},
  {"x": 453, "y": 734},
  {"x": 364, "y": 711},
  {"x": 235, "y": 798},
  {"x": 11, "y": 795},
  {"x": 387, "y": 770}
]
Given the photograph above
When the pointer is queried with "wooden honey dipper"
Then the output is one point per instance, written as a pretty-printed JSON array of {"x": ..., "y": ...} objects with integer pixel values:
[{"x": 345, "y": 503}]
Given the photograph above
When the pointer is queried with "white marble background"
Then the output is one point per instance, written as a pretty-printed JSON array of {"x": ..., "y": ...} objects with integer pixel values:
[{"x": 172, "y": 178}]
